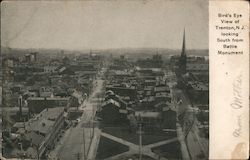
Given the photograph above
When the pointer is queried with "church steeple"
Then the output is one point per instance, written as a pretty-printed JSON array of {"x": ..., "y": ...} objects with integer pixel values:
[
  {"x": 183, "y": 51},
  {"x": 183, "y": 57}
]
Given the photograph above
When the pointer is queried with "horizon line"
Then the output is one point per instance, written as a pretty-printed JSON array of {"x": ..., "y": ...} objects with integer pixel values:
[{"x": 92, "y": 49}]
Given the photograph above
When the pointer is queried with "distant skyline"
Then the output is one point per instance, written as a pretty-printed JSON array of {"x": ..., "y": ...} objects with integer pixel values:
[{"x": 81, "y": 25}]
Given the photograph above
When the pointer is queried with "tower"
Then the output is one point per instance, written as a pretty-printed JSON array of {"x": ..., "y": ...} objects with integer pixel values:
[{"x": 183, "y": 57}]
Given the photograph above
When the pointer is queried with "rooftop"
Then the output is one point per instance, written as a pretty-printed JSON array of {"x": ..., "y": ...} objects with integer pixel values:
[
  {"x": 147, "y": 114},
  {"x": 114, "y": 102},
  {"x": 48, "y": 98},
  {"x": 44, "y": 121},
  {"x": 198, "y": 86}
]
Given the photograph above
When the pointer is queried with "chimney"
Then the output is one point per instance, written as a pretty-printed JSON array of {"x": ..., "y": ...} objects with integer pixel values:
[{"x": 20, "y": 100}]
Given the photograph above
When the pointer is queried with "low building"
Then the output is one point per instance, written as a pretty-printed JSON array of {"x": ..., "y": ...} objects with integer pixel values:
[
  {"x": 162, "y": 88},
  {"x": 123, "y": 91},
  {"x": 50, "y": 69},
  {"x": 32, "y": 57},
  {"x": 8, "y": 63},
  {"x": 148, "y": 117},
  {"x": 16, "y": 114},
  {"x": 151, "y": 120},
  {"x": 113, "y": 113},
  {"x": 37, "y": 104},
  {"x": 198, "y": 68},
  {"x": 198, "y": 92},
  {"x": 169, "y": 119},
  {"x": 40, "y": 133}
]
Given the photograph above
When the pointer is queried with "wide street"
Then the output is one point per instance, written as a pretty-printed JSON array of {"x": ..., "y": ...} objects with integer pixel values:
[
  {"x": 78, "y": 139},
  {"x": 192, "y": 139}
]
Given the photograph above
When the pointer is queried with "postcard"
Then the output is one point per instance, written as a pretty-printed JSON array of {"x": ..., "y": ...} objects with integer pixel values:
[{"x": 125, "y": 80}]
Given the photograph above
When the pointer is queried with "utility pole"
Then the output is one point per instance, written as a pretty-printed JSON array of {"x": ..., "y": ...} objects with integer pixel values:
[
  {"x": 84, "y": 149},
  {"x": 93, "y": 121},
  {"x": 37, "y": 152},
  {"x": 140, "y": 141}
]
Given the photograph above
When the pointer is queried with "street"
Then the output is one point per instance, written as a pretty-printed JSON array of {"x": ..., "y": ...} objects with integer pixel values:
[
  {"x": 192, "y": 139},
  {"x": 78, "y": 139}
]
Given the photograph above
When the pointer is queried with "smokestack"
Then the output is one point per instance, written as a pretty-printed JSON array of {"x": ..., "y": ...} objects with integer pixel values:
[{"x": 20, "y": 100}]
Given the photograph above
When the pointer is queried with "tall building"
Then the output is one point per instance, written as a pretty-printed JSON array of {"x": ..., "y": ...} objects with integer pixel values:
[{"x": 183, "y": 57}]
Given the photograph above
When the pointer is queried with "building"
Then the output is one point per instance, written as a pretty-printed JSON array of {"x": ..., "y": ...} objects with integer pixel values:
[
  {"x": 198, "y": 92},
  {"x": 149, "y": 119},
  {"x": 37, "y": 104},
  {"x": 50, "y": 69},
  {"x": 113, "y": 113},
  {"x": 200, "y": 69},
  {"x": 32, "y": 57},
  {"x": 162, "y": 93},
  {"x": 1, "y": 96},
  {"x": 169, "y": 119},
  {"x": 16, "y": 114},
  {"x": 123, "y": 91},
  {"x": 154, "y": 62},
  {"x": 41, "y": 132},
  {"x": 8, "y": 63}
]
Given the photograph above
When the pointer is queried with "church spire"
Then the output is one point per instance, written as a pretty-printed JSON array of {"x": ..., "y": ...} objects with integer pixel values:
[
  {"x": 183, "y": 52},
  {"x": 183, "y": 57}
]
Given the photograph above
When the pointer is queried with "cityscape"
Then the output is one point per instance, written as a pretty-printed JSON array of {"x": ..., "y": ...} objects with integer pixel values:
[
  {"x": 105, "y": 106},
  {"x": 104, "y": 80}
]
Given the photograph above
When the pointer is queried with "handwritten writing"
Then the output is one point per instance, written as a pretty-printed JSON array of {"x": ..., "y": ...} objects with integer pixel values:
[
  {"x": 238, "y": 131},
  {"x": 237, "y": 89}
]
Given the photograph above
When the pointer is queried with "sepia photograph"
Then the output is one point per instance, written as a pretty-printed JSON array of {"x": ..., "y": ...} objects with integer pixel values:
[{"x": 105, "y": 80}]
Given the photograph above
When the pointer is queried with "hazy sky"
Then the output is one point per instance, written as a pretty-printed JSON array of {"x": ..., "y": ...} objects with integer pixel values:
[{"x": 104, "y": 24}]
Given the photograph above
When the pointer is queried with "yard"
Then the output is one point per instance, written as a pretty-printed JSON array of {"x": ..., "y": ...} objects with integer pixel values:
[{"x": 108, "y": 148}]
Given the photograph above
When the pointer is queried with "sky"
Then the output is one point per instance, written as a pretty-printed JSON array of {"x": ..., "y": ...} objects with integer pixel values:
[{"x": 77, "y": 25}]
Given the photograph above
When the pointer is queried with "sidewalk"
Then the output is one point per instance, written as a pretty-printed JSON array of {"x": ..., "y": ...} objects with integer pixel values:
[
  {"x": 54, "y": 153},
  {"x": 184, "y": 149},
  {"x": 94, "y": 145}
]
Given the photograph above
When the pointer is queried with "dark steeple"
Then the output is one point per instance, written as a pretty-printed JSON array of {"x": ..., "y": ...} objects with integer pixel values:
[
  {"x": 183, "y": 57},
  {"x": 183, "y": 53}
]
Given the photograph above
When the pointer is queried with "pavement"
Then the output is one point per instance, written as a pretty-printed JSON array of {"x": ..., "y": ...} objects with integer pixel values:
[
  {"x": 94, "y": 145},
  {"x": 78, "y": 139},
  {"x": 134, "y": 149},
  {"x": 194, "y": 143},
  {"x": 82, "y": 141},
  {"x": 181, "y": 138}
]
